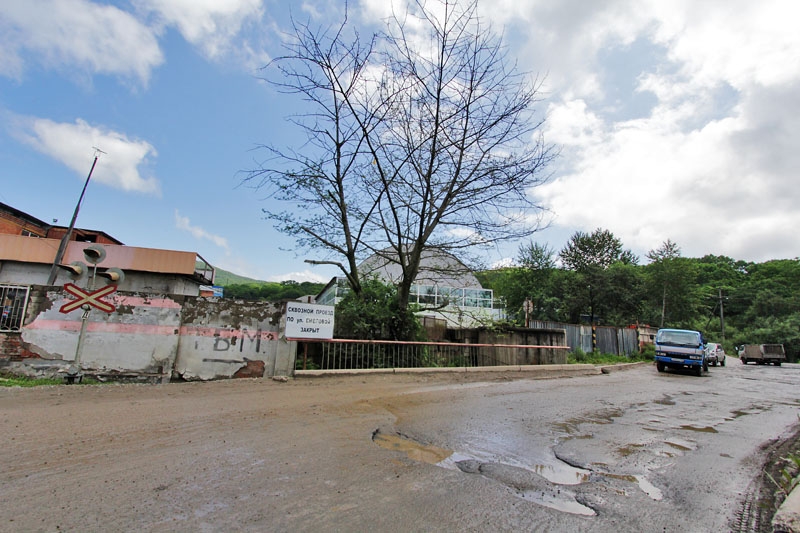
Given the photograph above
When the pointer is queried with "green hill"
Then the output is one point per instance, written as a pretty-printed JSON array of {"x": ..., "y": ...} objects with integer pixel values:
[
  {"x": 224, "y": 278},
  {"x": 252, "y": 289}
]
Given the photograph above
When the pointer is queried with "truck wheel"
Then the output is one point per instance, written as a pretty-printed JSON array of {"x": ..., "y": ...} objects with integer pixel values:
[
  {"x": 722, "y": 362},
  {"x": 777, "y": 363},
  {"x": 744, "y": 360},
  {"x": 660, "y": 366},
  {"x": 698, "y": 370}
]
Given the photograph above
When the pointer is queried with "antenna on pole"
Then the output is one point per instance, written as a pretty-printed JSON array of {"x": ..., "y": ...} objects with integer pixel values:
[{"x": 65, "y": 239}]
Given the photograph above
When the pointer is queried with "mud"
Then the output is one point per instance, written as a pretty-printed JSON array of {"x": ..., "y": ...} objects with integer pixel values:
[{"x": 441, "y": 452}]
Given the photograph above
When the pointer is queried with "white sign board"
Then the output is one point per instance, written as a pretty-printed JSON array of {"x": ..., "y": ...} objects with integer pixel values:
[{"x": 309, "y": 321}]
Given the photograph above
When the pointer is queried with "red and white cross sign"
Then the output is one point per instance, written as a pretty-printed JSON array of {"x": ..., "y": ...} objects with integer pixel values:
[{"x": 88, "y": 298}]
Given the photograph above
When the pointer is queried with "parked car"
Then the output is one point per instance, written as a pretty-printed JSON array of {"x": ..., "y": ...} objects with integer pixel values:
[{"x": 715, "y": 354}]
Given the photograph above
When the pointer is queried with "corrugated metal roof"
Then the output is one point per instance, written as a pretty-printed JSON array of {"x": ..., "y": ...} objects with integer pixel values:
[{"x": 33, "y": 250}]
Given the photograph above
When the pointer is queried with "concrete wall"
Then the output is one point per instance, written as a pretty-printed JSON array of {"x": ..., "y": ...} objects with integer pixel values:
[
  {"x": 156, "y": 336},
  {"x": 226, "y": 338}
]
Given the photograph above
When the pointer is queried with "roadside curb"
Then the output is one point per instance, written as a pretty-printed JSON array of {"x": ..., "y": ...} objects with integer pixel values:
[
  {"x": 787, "y": 519},
  {"x": 540, "y": 370},
  {"x": 623, "y": 366}
]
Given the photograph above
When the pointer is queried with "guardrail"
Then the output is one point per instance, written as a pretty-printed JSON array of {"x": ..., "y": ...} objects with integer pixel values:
[{"x": 347, "y": 354}]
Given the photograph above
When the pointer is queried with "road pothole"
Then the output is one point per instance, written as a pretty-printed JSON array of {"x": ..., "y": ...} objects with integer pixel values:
[
  {"x": 530, "y": 484},
  {"x": 414, "y": 450}
]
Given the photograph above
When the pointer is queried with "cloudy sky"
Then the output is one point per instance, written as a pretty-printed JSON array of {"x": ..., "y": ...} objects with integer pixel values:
[{"x": 676, "y": 120}]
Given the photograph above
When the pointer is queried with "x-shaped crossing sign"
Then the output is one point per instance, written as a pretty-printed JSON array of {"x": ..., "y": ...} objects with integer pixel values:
[{"x": 88, "y": 298}]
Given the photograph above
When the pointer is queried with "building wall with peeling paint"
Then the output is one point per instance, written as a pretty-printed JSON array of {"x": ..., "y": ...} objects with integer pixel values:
[
  {"x": 228, "y": 338},
  {"x": 159, "y": 336}
]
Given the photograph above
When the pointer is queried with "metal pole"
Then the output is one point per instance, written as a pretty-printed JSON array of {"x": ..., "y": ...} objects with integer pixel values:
[
  {"x": 65, "y": 239},
  {"x": 75, "y": 372},
  {"x": 721, "y": 317}
]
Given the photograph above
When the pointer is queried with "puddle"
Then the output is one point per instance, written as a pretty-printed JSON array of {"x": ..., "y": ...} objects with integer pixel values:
[
  {"x": 701, "y": 429},
  {"x": 557, "y": 503},
  {"x": 571, "y": 425},
  {"x": 414, "y": 450},
  {"x": 645, "y": 486},
  {"x": 648, "y": 488},
  {"x": 630, "y": 449},
  {"x": 682, "y": 445},
  {"x": 539, "y": 484}
]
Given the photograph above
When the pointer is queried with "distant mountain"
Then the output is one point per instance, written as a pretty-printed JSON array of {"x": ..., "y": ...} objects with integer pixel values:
[{"x": 224, "y": 278}]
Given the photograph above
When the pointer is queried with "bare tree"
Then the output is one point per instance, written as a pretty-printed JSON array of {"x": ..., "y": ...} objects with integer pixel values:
[{"x": 416, "y": 140}]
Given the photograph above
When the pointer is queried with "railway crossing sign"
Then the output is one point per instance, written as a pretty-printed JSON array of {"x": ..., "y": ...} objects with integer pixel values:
[{"x": 86, "y": 298}]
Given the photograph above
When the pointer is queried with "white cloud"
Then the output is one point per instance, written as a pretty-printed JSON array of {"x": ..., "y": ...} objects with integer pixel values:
[
  {"x": 301, "y": 276},
  {"x": 72, "y": 145},
  {"x": 211, "y": 25},
  {"x": 183, "y": 223},
  {"x": 75, "y": 35},
  {"x": 710, "y": 163}
]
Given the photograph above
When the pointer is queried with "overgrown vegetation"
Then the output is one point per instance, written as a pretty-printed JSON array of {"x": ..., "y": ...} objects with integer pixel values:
[
  {"x": 11, "y": 380},
  {"x": 7, "y": 380},
  {"x": 601, "y": 282},
  {"x": 272, "y": 291},
  {"x": 597, "y": 358},
  {"x": 789, "y": 475},
  {"x": 374, "y": 315}
]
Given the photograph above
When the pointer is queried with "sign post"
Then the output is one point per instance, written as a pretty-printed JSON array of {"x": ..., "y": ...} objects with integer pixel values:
[
  {"x": 308, "y": 321},
  {"x": 88, "y": 298}
]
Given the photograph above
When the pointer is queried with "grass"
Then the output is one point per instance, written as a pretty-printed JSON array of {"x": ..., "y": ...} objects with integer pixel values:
[
  {"x": 8, "y": 380},
  {"x": 789, "y": 475},
  {"x": 597, "y": 358}
]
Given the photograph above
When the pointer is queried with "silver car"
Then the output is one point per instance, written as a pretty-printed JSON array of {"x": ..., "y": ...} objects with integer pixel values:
[{"x": 715, "y": 354}]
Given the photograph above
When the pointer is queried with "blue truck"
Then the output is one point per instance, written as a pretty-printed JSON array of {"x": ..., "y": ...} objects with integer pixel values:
[{"x": 680, "y": 348}]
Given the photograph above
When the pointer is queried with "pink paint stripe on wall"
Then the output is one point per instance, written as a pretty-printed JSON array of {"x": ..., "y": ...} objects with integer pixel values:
[
  {"x": 227, "y": 333},
  {"x": 150, "y": 329},
  {"x": 102, "y": 327}
]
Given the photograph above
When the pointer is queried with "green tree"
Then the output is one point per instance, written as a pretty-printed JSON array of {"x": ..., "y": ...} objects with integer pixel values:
[
  {"x": 590, "y": 255},
  {"x": 272, "y": 291},
  {"x": 373, "y": 314},
  {"x": 672, "y": 286},
  {"x": 621, "y": 295},
  {"x": 586, "y": 251}
]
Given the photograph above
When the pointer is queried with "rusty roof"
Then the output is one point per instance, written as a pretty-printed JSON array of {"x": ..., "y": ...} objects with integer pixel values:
[{"x": 34, "y": 250}]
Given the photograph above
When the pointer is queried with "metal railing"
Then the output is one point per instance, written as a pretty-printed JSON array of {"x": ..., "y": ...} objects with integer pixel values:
[{"x": 346, "y": 354}]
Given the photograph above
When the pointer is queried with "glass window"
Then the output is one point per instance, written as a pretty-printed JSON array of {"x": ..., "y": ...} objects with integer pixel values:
[
  {"x": 427, "y": 294},
  {"x": 14, "y": 300}
]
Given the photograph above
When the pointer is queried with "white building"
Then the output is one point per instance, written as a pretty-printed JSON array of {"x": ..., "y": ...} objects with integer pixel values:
[{"x": 445, "y": 288}]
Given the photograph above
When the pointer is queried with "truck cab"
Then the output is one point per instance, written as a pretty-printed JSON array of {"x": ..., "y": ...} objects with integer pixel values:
[{"x": 680, "y": 348}]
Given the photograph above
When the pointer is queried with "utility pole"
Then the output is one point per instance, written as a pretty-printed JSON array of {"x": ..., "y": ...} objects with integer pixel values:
[
  {"x": 721, "y": 317},
  {"x": 65, "y": 239}
]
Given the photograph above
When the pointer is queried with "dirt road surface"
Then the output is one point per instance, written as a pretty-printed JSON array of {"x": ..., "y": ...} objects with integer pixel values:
[{"x": 333, "y": 454}]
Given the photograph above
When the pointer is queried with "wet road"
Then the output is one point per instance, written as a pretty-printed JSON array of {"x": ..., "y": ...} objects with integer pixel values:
[{"x": 632, "y": 450}]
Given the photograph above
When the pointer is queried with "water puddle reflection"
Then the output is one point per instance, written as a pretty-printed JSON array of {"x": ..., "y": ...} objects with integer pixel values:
[{"x": 542, "y": 484}]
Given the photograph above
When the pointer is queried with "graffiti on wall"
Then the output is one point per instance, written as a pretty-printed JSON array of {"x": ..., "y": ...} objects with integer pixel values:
[{"x": 224, "y": 340}]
